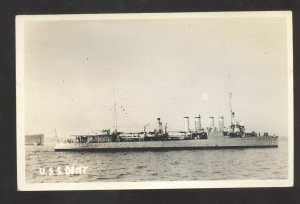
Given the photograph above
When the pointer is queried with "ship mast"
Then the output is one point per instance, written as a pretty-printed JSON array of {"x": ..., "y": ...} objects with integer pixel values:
[
  {"x": 115, "y": 118},
  {"x": 115, "y": 112},
  {"x": 230, "y": 104},
  {"x": 230, "y": 107},
  {"x": 56, "y": 135}
]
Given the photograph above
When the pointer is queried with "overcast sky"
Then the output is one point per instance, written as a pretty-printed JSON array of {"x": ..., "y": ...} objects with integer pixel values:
[{"x": 76, "y": 70}]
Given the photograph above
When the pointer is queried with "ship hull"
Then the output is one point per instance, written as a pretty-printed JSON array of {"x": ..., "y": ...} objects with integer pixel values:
[{"x": 213, "y": 143}]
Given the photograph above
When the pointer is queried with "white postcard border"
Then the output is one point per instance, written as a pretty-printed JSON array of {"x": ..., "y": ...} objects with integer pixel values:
[{"x": 23, "y": 186}]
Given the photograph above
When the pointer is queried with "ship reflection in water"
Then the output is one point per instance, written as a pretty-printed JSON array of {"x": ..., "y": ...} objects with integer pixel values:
[{"x": 227, "y": 164}]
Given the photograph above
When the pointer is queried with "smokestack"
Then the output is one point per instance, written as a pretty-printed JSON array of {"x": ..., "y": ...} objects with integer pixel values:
[
  {"x": 186, "y": 124},
  {"x": 198, "y": 123},
  {"x": 160, "y": 128},
  {"x": 221, "y": 123},
  {"x": 212, "y": 124}
]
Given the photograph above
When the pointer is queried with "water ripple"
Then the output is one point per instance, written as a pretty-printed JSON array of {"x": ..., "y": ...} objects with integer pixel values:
[{"x": 270, "y": 163}]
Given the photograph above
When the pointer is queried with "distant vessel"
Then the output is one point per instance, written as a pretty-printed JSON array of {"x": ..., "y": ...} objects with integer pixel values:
[
  {"x": 34, "y": 139},
  {"x": 234, "y": 136}
]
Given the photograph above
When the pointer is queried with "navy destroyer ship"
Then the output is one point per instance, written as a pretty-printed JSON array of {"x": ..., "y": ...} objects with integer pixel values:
[{"x": 212, "y": 137}]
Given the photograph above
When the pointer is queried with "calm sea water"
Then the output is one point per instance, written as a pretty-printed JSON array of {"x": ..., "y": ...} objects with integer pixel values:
[{"x": 183, "y": 165}]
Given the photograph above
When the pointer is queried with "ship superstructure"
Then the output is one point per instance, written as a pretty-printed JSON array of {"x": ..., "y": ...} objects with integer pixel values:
[{"x": 233, "y": 136}]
